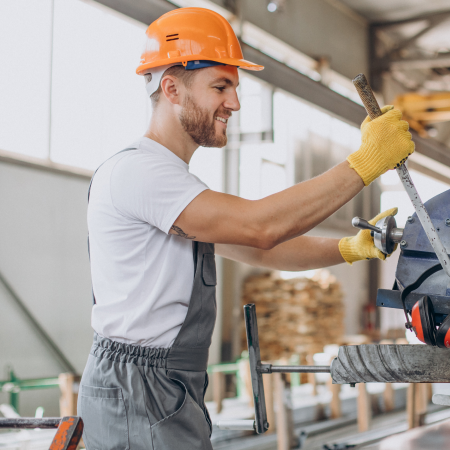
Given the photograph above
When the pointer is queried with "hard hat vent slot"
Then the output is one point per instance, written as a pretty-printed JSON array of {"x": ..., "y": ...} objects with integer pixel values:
[{"x": 172, "y": 37}]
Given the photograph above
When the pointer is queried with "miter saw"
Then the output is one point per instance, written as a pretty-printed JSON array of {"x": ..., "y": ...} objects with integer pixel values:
[{"x": 421, "y": 289}]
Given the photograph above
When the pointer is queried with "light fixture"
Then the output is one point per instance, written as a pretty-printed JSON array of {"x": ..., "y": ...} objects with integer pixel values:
[
  {"x": 275, "y": 5},
  {"x": 432, "y": 131},
  {"x": 272, "y": 7}
]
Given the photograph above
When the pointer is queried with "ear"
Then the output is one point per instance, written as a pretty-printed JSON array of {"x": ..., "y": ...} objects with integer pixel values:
[{"x": 170, "y": 87}]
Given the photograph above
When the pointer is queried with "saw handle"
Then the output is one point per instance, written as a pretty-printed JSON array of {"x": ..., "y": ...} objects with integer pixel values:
[
  {"x": 363, "y": 224},
  {"x": 366, "y": 94},
  {"x": 374, "y": 111}
]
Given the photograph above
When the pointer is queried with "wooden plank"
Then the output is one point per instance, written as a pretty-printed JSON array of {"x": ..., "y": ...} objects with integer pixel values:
[
  {"x": 283, "y": 440},
  {"x": 416, "y": 404},
  {"x": 411, "y": 406},
  {"x": 364, "y": 408},
  {"x": 335, "y": 404},
  {"x": 218, "y": 379},
  {"x": 244, "y": 373},
  {"x": 268, "y": 393},
  {"x": 284, "y": 413},
  {"x": 68, "y": 385},
  {"x": 388, "y": 397}
]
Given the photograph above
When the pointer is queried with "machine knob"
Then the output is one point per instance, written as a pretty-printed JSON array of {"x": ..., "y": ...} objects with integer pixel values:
[
  {"x": 385, "y": 233},
  {"x": 362, "y": 224}
]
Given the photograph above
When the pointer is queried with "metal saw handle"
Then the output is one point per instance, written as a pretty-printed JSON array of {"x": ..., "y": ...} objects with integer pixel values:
[
  {"x": 374, "y": 111},
  {"x": 366, "y": 94},
  {"x": 363, "y": 224}
]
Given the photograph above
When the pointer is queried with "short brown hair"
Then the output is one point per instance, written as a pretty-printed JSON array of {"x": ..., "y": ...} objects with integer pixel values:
[{"x": 186, "y": 77}]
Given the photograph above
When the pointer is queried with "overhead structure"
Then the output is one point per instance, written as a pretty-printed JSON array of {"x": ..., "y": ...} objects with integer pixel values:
[
  {"x": 414, "y": 51},
  {"x": 422, "y": 111}
]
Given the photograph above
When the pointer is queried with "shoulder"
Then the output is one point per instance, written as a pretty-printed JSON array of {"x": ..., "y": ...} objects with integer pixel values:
[{"x": 137, "y": 162}]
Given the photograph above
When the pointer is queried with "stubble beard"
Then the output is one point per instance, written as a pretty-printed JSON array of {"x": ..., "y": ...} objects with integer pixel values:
[{"x": 200, "y": 126}]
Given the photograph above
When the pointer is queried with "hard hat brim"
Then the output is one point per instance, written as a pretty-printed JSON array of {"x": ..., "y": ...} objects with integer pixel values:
[{"x": 241, "y": 63}]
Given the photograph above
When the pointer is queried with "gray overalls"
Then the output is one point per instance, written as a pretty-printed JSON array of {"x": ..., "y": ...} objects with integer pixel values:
[{"x": 143, "y": 398}]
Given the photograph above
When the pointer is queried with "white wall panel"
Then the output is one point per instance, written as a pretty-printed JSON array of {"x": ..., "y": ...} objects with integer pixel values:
[
  {"x": 99, "y": 104},
  {"x": 25, "y": 46}
]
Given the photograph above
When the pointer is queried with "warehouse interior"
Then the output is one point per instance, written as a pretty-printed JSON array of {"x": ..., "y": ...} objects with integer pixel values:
[{"x": 70, "y": 99}]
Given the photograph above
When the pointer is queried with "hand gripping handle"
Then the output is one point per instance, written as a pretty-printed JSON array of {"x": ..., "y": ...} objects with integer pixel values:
[{"x": 374, "y": 111}]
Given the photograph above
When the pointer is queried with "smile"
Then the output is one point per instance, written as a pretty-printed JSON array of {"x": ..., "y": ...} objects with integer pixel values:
[{"x": 221, "y": 119}]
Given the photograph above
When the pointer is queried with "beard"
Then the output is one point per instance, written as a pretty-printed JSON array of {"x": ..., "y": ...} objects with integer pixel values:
[{"x": 200, "y": 126}]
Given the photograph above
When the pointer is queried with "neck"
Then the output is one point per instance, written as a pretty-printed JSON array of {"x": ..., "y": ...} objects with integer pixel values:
[{"x": 165, "y": 129}]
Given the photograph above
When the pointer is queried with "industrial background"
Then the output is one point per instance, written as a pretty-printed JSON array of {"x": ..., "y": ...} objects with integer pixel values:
[{"x": 70, "y": 98}]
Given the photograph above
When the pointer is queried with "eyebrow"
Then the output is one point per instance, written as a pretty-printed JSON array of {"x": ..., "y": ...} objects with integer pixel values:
[{"x": 225, "y": 80}]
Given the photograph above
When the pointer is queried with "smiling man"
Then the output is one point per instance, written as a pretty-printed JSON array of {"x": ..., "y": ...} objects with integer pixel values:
[{"x": 154, "y": 229}]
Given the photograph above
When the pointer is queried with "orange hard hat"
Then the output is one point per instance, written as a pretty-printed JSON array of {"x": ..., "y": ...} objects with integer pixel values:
[{"x": 191, "y": 34}]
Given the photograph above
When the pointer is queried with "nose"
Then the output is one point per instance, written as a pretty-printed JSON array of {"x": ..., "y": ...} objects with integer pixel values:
[{"x": 232, "y": 101}]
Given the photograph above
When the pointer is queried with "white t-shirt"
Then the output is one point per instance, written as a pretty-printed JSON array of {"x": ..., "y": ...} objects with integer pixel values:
[{"x": 142, "y": 277}]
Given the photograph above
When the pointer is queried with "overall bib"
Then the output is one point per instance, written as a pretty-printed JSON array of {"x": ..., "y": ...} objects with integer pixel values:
[{"x": 144, "y": 398}]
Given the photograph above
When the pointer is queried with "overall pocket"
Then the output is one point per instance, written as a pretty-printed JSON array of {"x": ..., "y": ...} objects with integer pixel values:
[
  {"x": 185, "y": 429},
  {"x": 105, "y": 418}
]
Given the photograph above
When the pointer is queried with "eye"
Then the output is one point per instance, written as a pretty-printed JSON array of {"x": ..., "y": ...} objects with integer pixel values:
[{"x": 220, "y": 88}]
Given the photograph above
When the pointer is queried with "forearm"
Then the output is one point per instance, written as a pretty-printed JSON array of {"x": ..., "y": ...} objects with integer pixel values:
[
  {"x": 294, "y": 211},
  {"x": 301, "y": 253}
]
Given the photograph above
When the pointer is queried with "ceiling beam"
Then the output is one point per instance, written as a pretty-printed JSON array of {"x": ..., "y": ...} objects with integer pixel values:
[
  {"x": 145, "y": 11},
  {"x": 434, "y": 15},
  {"x": 283, "y": 77},
  {"x": 432, "y": 23},
  {"x": 425, "y": 63}
]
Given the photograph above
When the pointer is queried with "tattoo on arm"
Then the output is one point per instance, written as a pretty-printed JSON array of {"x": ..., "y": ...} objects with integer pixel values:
[{"x": 181, "y": 233}]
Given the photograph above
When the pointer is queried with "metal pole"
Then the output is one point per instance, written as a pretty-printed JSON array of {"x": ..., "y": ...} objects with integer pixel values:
[
  {"x": 298, "y": 369},
  {"x": 30, "y": 422},
  {"x": 261, "y": 424}
]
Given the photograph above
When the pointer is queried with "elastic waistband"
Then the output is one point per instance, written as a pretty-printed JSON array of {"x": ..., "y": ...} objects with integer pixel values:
[{"x": 178, "y": 358}]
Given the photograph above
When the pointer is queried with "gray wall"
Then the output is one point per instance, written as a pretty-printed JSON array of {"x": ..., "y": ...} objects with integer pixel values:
[
  {"x": 315, "y": 28},
  {"x": 43, "y": 256}
]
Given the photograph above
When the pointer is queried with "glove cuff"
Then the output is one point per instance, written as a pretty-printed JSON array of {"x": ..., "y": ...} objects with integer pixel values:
[
  {"x": 348, "y": 250},
  {"x": 366, "y": 163}
]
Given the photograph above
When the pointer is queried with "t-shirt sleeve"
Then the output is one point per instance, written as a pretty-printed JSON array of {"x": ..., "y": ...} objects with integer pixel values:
[{"x": 152, "y": 189}]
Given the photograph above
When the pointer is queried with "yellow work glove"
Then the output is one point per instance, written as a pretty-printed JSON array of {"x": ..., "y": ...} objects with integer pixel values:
[
  {"x": 386, "y": 143},
  {"x": 361, "y": 246}
]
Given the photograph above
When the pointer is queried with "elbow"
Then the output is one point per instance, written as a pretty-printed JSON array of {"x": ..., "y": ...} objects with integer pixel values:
[{"x": 266, "y": 240}]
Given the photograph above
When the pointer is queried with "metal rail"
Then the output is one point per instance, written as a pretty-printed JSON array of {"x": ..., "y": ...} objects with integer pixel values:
[
  {"x": 30, "y": 422},
  {"x": 268, "y": 368},
  {"x": 68, "y": 434},
  {"x": 14, "y": 385}
]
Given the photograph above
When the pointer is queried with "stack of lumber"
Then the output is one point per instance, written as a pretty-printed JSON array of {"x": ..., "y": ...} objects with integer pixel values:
[{"x": 295, "y": 316}]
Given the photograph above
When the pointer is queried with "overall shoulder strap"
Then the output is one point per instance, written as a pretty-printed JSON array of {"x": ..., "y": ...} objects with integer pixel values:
[
  {"x": 89, "y": 195},
  {"x": 115, "y": 154}
]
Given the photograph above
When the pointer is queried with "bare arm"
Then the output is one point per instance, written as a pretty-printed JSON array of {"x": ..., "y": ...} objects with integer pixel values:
[
  {"x": 227, "y": 219},
  {"x": 301, "y": 253}
]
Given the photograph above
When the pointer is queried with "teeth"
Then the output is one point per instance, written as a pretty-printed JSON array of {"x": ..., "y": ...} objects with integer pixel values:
[{"x": 221, "y": 119}]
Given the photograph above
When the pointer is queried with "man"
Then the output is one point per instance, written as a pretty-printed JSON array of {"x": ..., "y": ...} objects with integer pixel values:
[{"x": 153, "y": 227}]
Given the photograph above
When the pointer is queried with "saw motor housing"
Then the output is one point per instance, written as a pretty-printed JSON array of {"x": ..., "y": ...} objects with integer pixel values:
[{"x": 419, "y": 277}]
